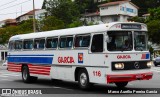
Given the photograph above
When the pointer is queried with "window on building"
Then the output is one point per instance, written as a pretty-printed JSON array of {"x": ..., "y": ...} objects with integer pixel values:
[
  {"x": 28, "y": 44},
  {"x": 82, "y": 41},
  {"x": 97, "y": 43},
  {"x": 30, "y": 17},
  {"x": 51, "y": 42},
  {"x": 66, "y": 42},
  {"x": 18, "y": 44},
  {"x": 39, "y": 43}
]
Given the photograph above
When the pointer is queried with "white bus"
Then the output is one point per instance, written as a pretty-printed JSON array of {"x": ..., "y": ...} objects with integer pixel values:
[{"x": 106, "y": 53}]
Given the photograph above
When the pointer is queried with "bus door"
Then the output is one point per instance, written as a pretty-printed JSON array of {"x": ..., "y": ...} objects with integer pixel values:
[{"x": 96, "y": 50}]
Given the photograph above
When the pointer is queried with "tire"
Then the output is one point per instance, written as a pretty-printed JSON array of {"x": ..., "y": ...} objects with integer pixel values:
[
  {"x": 121, "y": 84},
  {"x": 83, "y": 80},
  {"x": 26, "y": 76}
]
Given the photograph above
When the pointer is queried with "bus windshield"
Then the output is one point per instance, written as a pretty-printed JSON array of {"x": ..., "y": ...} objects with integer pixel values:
[
  {"x": 140, "y": 39},
  {"x": 120, "y": 41}
]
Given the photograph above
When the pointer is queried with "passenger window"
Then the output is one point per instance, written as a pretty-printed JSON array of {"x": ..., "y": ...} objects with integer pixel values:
[
  {"x": 28, "y": 44},
  {"x": 11, "y": 45},
  {"x": 82, "y": 41},
  {"x": 51, "y": 42},
  {"x": 39, "y": 43},
  {"x": 18, "y": 45},
  {"x": 66, "y": 42},
  {"x": 97, "y": 43}
]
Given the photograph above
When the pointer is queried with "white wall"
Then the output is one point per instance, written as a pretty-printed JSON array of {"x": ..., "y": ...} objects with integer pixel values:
[
  {"x": 118, "y": 12},
  {"x": 110, "y": 10},
  {"x": 40, "y": 14},
  {"x": 128, "y": 9}
]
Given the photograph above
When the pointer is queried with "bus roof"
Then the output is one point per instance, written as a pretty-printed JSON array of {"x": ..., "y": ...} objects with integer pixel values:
[{"x": 77, "y": 30}]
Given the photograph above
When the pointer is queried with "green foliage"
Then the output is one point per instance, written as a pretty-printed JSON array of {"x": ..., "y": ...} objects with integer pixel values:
[
  {"x": 137, "y": 19},
  {"x": 75, "y": 24},
  {"x": 153, "y": 23},
  {"x": 65, "y": 10},
  {"x": 51, "y": 23},
  {"x": 154, "y": 31}
]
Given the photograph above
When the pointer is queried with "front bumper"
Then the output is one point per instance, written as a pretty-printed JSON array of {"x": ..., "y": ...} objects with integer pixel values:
[{"x": 128, "y": 77}]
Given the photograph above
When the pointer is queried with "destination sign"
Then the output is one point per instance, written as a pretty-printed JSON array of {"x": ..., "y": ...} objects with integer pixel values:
[{"x": 131, "y": 26}]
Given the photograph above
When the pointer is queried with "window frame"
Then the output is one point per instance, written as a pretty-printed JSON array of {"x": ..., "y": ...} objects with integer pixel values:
[
  {"x": 66, "y": 38},
  {"x": 32, "y": 45},
  {"x": 15, "y": 45},
  {"x": 55, "y": 37},
  {"x": 82, "y": 36},
  {"x": 39, "y": 47}
]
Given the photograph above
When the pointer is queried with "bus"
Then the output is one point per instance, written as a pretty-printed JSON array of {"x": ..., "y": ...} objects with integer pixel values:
[{"x": 112, "y": 53}]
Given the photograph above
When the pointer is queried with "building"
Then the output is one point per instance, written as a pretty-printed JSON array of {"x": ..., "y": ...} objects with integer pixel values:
[
  {"x": 40, "y": 14},
  {"x": 145, "y": 16},
  {"x": 93, "y": 17},
  {"x": 117, "y": 11},
  {"x": 8, "y": 22},
  {"x": 26, "y": 16}
]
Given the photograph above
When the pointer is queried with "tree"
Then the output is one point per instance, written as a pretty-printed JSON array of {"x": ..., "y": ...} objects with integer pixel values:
[
  {"x": 64, "y": 10},
  {"x": 137, "y": 19},
  {"x": 153, "y": 23},
  {"x": 51, "y": 23}
]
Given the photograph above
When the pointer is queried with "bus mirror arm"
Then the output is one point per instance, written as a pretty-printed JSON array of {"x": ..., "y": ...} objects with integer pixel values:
[{"x": 107, "y": 38}]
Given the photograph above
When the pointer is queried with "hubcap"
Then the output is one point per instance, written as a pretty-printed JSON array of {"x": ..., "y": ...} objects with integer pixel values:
[
  {"x": 25, "y": 74},
  {"x": 83, "y": 79}
]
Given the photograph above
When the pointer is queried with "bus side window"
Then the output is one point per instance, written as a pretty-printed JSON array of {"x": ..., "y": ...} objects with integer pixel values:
[
  {"x": 66, "y": 42},
  {"x": 11, "y": 45},
  {"x": 51, "y": 42},
  {"x": 82, "y": 41},
  {"x": 97, "y": 43},
  {"x": 28, "y": 44},
  {"x": 18, "y": 44},
  {"x": 62, "y": 42},
  {"x": 69, "y": 42},
  {"x": 39, "y": 43}
]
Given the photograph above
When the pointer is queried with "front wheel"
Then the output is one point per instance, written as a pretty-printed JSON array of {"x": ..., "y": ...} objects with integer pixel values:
[
  {"x": 83, "y": 79},
  {"x": 121, "y": 84}
]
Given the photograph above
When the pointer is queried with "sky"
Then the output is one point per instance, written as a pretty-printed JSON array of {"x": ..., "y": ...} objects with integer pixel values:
[{"x": 10, "y": 9}]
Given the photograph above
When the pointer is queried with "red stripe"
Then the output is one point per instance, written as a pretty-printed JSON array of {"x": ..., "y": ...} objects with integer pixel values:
[
  {"x": 143, "y": 56},
  {"x": 14, "y": 67},
  {"x": 33, "y": 69},
  {"x": 39, "y": 69}
]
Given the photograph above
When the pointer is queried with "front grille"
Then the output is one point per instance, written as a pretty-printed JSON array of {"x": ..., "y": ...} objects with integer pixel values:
[{"x": 132, "y": 65}]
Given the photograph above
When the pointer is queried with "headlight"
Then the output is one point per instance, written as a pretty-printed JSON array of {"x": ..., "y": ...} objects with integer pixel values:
[
  {"x": 150, "y": 64},
  {"x": 119, "y": 65}
]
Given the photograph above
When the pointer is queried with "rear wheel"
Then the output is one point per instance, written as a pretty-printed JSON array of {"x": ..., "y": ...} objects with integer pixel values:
[
  {"x": 26, "y": 76},
  {"x": 121, "y": 84},
  {"x": 83, "y": 79}
]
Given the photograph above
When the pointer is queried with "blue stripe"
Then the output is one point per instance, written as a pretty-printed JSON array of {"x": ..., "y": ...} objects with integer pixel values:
[
  {"x": 147, "y": 56},
  {"x": 32, "y": 60}
]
